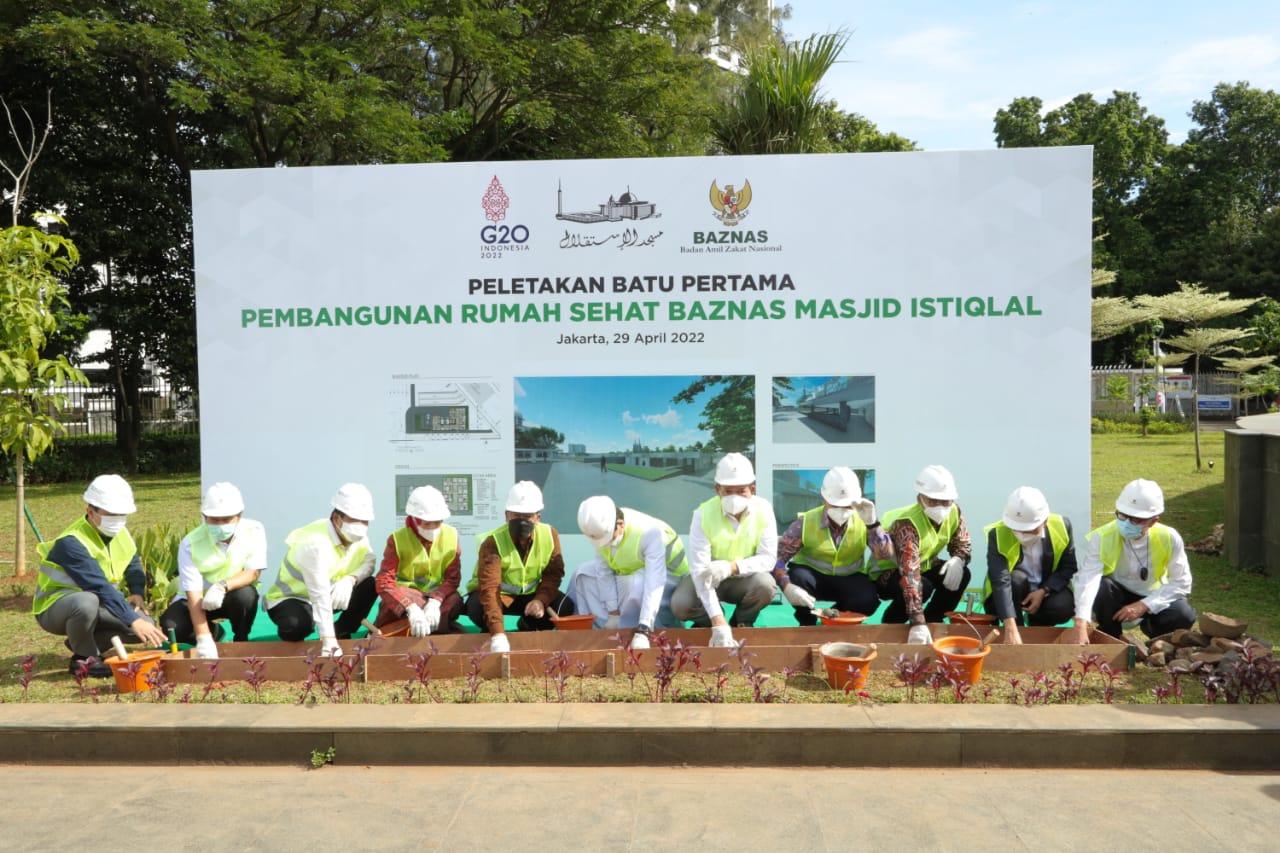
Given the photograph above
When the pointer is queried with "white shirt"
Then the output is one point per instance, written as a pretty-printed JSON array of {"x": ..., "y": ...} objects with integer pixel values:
[
  {"x": 1134, "y": 554},
  {"x": 250, "y": 536},
  {"x": 1032, "y": 557},
  {"x": 700, "y": 551},
  {"x": 654, "y": 573}
]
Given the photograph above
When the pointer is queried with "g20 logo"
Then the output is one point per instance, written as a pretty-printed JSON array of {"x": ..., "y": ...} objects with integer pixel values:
[{"x": 504, "y": 235}]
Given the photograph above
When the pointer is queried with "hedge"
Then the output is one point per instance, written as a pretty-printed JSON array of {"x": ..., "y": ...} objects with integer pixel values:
[{"x": 81, "y": 458}]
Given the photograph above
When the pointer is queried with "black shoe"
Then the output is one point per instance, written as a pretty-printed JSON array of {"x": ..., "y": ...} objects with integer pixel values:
[
  {"x": 94, "y": 667},
  {"x": 218, "y": 632}
]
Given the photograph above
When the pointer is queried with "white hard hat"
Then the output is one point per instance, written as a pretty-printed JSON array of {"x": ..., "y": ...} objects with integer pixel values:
[
  {"x": 222, "y": 500},
  {"x": 735, "y": 470},
  {"x": 111, "y": 494},
  {"x": 525, "y": 496},
  {"x": 1141, "y": 499},
  {"x": 936, "y": 482},
  {"x": 426, "y": 504},
  {"x": 597, "y": 519},
  {"x": 840, "y": 487},
  {"x": 354, "y": 500},
  {"x": 1026, "y": 509}
]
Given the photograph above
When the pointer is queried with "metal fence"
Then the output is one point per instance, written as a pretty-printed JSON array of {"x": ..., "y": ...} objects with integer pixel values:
[
  {"x": 1169, "y": 391},
  {"x": 91, "y": 409}
]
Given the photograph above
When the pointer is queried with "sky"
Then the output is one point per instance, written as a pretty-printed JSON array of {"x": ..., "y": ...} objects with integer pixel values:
[
  {"x": 611, "y": 413},
  {"x": 936, "y": 71}
]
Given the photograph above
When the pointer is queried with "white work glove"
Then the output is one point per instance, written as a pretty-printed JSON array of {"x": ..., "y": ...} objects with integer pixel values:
[
  {"x": 418, "y": 625},
  {"x": 213, "y": 597},
  {"x": 721, "y": 637},
  {"x": 340, "y": 594},
  {"x": 612, "y": 621},
  {"x": 866, "y": 511},
  {"x": 433, "y": 615},
  {"x": 499, "y": 644},
  {"x": 919, "y": 636},
  {"x": 799, "y": 596},
  {"x": 329, "y": 646},
  {"x": 718, "y": 571},
  {"x": 639, "y": 641},
  {"x": 951, "y": 573},
  {"x": 206, "y": 648}
]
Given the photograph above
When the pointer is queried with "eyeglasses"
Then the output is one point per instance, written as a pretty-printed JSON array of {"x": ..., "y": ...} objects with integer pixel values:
[{"x": 1133, "y": 519}]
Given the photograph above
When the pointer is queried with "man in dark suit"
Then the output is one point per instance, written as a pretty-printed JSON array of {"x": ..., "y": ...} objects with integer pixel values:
[{"x": 1031, "y": 558}]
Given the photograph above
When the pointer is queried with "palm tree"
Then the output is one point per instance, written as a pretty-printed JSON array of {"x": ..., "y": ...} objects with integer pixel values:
[{"x": 777, "y": 109}]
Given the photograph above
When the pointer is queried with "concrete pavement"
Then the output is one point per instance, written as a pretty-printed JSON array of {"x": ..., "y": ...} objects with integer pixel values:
[{"x": 642, "y": 809}]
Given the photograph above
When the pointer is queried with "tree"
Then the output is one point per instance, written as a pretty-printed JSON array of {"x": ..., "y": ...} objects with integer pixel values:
[
  {"x": 1193, "y": 307},
  {"x": 538, "y": 438},
  {"x": 851, "y": 132},
  {"x": 777, "y": 108},
  {"x": 730, "y": 415},
  {"x": 33, "y": 298}
]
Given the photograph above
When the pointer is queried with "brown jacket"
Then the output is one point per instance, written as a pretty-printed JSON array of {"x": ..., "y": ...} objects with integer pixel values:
[{"x": 489, "y": 578}]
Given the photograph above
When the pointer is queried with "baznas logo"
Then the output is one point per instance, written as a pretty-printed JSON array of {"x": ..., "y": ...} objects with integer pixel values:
[
  {"x": 495, "y": 201},
  {"x": 730, "y": 205}
]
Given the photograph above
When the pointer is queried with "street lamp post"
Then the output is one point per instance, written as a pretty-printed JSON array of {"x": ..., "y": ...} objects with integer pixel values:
[{"x": 1157, "y": 329}]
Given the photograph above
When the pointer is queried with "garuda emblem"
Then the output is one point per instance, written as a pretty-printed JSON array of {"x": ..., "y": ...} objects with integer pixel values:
[{"x": 730, "y": 204}]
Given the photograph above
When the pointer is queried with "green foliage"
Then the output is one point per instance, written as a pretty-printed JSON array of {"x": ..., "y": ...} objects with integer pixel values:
[
  {"x": 852, "y": 133},
  {"x": 730, "y": 415},
  {"x": 158, "y": 551},
  {"x": 80, "y": 458},
  {"x": 33, "y": 297},
  {"x": 1142, "y": 422},
  {"x": 321, "y": 757},
  {"x": 538, "y": 438},
  {"x": 777, "y": 108}
]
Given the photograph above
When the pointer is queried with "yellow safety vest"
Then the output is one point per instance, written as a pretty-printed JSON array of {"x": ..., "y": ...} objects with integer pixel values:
[
  {"x": 932, "y": 539},
  {"x": 1011, "y": 549},
  {"x": 1160, "y": 548},
  {"x": 290, "y": 584},
  {"x": 818, "y": 548},
  {"x": 113, "y": 558},
  {"x": 626, "y": 559},
  {"x": 214, "y": 563},
  {"x": 420, "y": 568},
  {"x": 727, "y": 543},
  {"x": 519, "y": 577}
]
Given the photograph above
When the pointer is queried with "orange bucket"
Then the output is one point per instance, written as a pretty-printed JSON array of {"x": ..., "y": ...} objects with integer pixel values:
[
  {"x": 580, "y": 622},
  {"x": 133, "y": 683},
  {"x": 847, "y": 664},
  {"x": 964, "y": 654},
  {"x": 844, "y": 617}
]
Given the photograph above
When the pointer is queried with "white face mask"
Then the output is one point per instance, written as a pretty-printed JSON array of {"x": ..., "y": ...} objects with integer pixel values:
[
  {"x": 221, "y": 532},
  {"x": 937, "y": 514},
  {"x": 1027, "y": 538},
  {"x": 840, "y": 515},
  {"x": 354, "y": 530},
  {"x": 428, "y": 533},
  {"x": 615, "y": 541},
  {"x": 734, "y": 504},
  {"x": 112, "y": 525}
]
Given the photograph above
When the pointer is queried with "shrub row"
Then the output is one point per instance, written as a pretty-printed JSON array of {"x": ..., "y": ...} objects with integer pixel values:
[
  {"x": 81, "y": 458},
  {"x": 1132, "y": 423}
]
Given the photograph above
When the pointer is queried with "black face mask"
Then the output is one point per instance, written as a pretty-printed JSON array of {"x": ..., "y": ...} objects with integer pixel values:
[{"x": 520, "y": 528}]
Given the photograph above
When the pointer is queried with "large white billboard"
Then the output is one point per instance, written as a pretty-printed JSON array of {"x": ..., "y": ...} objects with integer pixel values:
[{"x": 613, "y": 326}]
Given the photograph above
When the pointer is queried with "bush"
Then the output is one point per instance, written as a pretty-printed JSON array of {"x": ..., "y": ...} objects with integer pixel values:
[
  {"x": 1131, "y": 423},
  {"x": 81, "y": 458}
]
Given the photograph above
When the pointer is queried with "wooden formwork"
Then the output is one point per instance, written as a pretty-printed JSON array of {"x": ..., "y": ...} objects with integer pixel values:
[{"x": 604, "y": 653}]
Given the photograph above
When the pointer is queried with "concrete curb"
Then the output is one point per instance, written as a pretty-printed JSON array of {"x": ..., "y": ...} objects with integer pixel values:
[{"x": 1216, "y": 737}]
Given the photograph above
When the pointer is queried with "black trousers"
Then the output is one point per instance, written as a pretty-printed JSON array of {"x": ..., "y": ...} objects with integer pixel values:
[
  {"x": 1112, "y": 596},
  {"x": 240, "y": 608},
  {"x": 1057, "y": 607},
  {"x": 938, "y": 600},
  {"x": 293, "y": 616},
  {"x": 855, "y": 593},
  {"x": 561, "y": 604}
]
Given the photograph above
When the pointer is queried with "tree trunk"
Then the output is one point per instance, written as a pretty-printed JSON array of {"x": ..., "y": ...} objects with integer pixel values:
[
  {"x": 20, "y": 530},
  {"x": 1195, "y": 405}
]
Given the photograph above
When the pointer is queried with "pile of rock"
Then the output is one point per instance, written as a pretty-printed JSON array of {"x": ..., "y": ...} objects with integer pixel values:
[{"x": 1214, "y": 639}]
